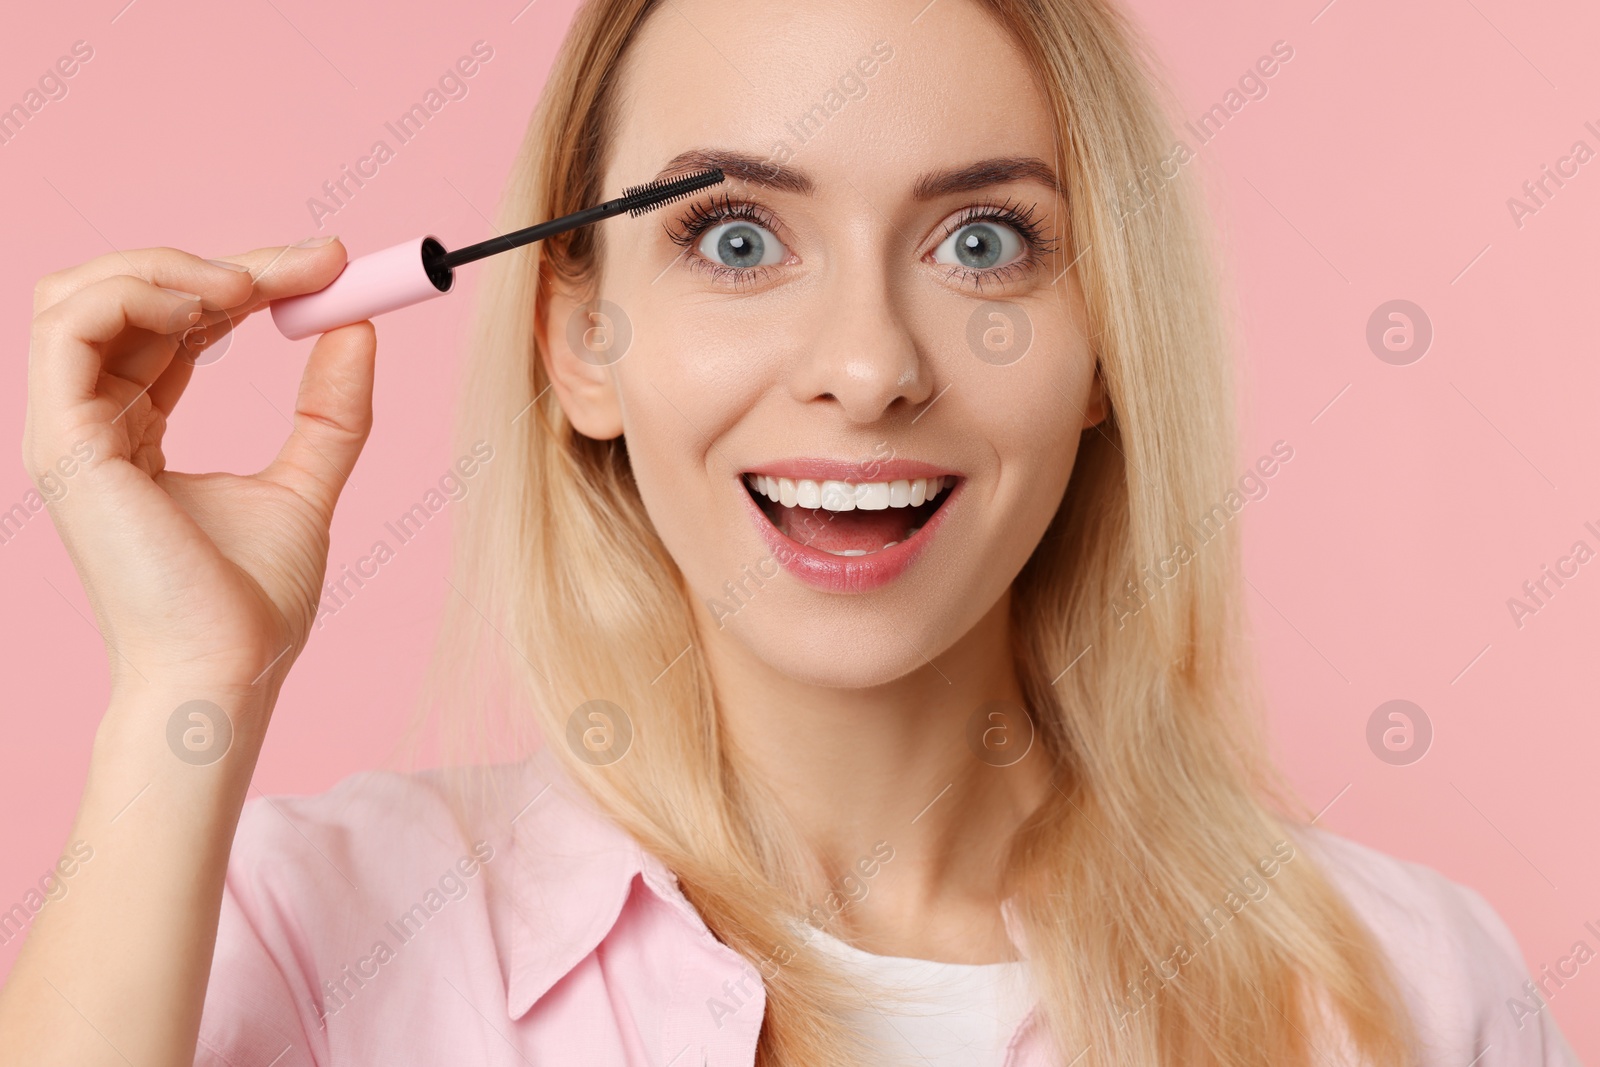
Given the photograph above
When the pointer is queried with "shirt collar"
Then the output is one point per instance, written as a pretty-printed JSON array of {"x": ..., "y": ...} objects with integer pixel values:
[{"x": 572, "y": 871}]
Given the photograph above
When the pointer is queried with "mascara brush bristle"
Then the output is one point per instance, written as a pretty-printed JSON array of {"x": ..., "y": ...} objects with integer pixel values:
[{"x": 656, "y": 194}]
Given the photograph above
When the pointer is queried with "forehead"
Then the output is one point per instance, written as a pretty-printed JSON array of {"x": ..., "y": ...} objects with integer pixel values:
[{"x": 868, "y": 94}]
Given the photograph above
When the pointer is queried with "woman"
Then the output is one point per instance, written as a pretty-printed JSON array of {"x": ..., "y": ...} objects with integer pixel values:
[{"x": 809, "y": 538}]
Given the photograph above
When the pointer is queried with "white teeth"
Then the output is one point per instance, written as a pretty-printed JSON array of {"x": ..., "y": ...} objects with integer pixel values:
[
  {"x": 847, "y": 496},
  {"x": 838, "y": 496},
  {"x": 872, "y": 496}
]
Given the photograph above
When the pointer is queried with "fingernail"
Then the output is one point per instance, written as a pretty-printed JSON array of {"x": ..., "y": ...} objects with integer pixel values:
[
  {"x": 230, "y": 266},
  {"x": 318, "y": 242},
  {"x": 181, "y": 293}
]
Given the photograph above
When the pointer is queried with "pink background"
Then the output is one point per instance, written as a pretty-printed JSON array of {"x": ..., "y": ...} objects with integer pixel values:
[{"x": 1377, "y": 167}]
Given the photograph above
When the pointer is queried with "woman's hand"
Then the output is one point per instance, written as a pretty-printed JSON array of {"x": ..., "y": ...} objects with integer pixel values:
[
  {"x": 206, "y": 577},
  {"x": 205, "y": 587}
]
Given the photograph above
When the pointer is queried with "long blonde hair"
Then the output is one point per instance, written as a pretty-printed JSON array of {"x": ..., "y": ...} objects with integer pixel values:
[{"x": 1166, "y": 803}]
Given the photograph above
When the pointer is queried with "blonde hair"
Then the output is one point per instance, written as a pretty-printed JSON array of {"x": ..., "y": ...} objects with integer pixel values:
[{"x": 1166, "y": 800}]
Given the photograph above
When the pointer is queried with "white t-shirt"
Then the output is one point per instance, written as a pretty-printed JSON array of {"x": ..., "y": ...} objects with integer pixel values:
[{"x": 954, "y": 1014}]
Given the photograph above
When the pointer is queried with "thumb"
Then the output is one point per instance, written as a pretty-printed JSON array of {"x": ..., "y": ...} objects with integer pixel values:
[{"x": 332, "y": 417}]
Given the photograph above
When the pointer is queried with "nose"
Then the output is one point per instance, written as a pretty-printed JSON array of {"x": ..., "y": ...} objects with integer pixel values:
[{"x": 864, "y": 356}]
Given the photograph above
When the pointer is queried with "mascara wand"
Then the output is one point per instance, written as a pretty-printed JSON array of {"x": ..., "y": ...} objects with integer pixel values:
[{"x": 421, "y": 269}]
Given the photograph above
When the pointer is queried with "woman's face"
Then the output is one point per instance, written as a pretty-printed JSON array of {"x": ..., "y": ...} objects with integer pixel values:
[{"x": 872, "y": 311}]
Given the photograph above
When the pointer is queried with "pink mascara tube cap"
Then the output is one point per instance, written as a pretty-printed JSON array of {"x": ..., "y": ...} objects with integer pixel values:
[{"x": 369, "y": 285}]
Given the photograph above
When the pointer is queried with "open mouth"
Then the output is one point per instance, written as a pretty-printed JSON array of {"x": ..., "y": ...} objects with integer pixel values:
[{"x": 849, "y": 518}]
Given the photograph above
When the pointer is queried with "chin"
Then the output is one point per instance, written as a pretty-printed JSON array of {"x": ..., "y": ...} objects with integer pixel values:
[{"x": 858, "y": 653}]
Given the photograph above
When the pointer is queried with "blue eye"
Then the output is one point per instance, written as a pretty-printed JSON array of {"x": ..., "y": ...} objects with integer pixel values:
[
  {"x": 740, "y": 244},
  {"x": 981, "y": 245}
]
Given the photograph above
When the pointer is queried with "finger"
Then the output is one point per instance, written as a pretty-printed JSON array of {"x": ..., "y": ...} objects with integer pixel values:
[
  {"x": 195, "y": 335},
  {"x": 289, "y": 270},
  {"x": 170, "y": 267},
  {"x": 169, "y": 385},
  {"x": 268, "y": 273},
  {"x": 64, "y": 362},
  {"x": 332, "y": 417}
]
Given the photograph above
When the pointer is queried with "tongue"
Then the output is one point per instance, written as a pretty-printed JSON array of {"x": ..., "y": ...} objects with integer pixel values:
[{"x": 844, "y": 531}]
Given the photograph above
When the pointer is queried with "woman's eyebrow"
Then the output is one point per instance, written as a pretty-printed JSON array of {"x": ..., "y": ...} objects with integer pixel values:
[{"x": 999, "y": 170}]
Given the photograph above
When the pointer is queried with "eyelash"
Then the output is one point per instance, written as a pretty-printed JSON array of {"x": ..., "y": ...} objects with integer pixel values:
[
  {"x": 702, "y": 215},
  {"x": 1037, "y": 246}
]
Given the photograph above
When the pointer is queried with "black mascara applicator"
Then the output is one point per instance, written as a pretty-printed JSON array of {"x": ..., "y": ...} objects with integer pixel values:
[{"x": 421, "y": 269}]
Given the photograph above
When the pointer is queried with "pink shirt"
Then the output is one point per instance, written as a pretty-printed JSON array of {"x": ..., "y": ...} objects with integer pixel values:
[{"x": 365, "y": 926}]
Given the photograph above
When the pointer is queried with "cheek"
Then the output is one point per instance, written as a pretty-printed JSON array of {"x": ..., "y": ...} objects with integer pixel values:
[
  {"x": 708, "y": 361},
  {"x": 1031, "y": 415},
  {"x": 669, "y": 424},
  {"x": 1037, "y": 444},
  {"x": 685, "y": 386},
  {"x": 1030, "y": 411}
]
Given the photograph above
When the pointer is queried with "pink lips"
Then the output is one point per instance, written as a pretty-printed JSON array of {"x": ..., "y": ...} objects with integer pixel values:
[{"x": 848, "y": 574}]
